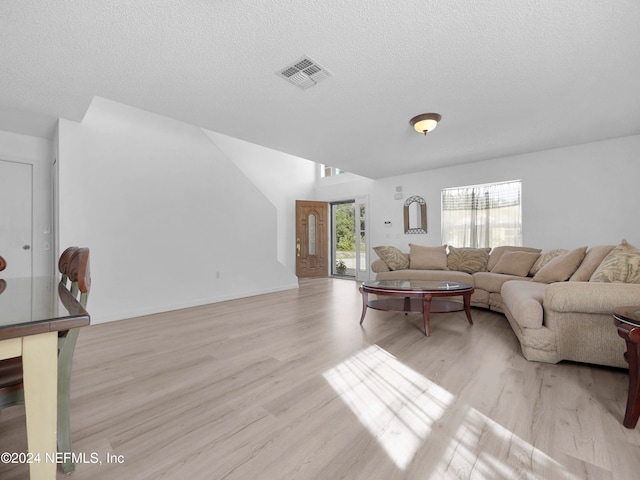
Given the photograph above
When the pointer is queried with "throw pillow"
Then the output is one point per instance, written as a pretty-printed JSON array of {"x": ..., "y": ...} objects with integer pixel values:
[
  {"x": 468, "y": 260},
  {"x": 561, "y": 267},
  {"x": 427, "y": 258},
  {"x": 621, "y": 265},
  {"x": 393, "y": 257},
  {"x": 546, "y": 257},
  {"x": 497, "y": 252},
  {"x": 515, "y": 263},
  {"x": 592, "y": 259}
]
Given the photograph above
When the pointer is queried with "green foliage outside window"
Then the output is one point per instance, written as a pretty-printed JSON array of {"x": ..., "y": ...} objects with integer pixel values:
[{"x": 345, "y": 228}]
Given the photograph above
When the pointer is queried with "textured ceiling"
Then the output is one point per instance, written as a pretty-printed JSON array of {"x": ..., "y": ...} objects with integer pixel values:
[{"x": 507, "y": 77}]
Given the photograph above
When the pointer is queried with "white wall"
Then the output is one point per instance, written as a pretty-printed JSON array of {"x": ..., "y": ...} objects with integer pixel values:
[
  {"x": 39, "y": 153},
  {"x": 164, "y": 205},
  {"x": 282, "y": 178},
  {"x": 574, "y": 196},
  {"x": 164, "y": 212}
]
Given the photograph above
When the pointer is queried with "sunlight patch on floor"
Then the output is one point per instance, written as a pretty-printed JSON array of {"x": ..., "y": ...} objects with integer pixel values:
[
  {"x": 399, "y": 407},
  {"x": 396, "y": 404},
  {"x": 473, "y": 446}
]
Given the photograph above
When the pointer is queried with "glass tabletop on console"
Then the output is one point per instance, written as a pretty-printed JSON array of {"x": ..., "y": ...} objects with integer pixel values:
[{"x": 416, "y": 285}]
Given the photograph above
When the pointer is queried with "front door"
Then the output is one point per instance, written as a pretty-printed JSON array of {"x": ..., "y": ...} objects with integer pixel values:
[
  {"x": 311, "y": 239},
  {"x": 16, "y": 218}
]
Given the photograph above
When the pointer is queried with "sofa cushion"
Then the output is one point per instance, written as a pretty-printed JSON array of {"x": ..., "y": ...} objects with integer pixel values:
[
  {"x": 393, "y": 257},
  {"x": 379, "y": 266},
  {"x": 497, "y": 252},
  {"x": 492, "y": 282},
  {"x": 546, "y": 257},
  {"x": 427, "y": 258},
  {"x": 480, "y": 298},
  {"x": 515, "y": 263},
  {"x": 591, "y": 261},
  {"x": 622, "y": 264},
  {"x": 560, "y": 268},
  {"x": 468, "y": 260},
  {"x": 524, "y": 300}
]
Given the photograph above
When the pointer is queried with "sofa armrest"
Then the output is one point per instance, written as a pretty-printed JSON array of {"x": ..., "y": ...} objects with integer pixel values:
[
  {"x": 590, "y": 297},
  {"x": 379, "y": 266}
]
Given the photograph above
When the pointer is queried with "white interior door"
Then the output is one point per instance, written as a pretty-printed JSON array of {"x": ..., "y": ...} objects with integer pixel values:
[{"x": 16, "y": 218}]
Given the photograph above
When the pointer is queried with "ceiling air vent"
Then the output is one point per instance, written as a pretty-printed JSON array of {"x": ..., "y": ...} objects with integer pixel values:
[{"x": 304, "y": 73}]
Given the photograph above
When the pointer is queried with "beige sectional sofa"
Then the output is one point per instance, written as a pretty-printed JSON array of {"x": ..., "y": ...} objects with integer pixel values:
[{"x": 559, "y": 303}]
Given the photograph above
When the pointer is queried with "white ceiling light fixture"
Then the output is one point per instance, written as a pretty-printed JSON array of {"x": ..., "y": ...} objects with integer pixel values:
[
  {"x": 425, "y": 122},
  {"x": 304, "y": 73}
]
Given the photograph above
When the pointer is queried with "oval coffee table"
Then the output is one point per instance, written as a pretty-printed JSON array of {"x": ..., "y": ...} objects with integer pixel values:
[{"x": 416, "y": 296}]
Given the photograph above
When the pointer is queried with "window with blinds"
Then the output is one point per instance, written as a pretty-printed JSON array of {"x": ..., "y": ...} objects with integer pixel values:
[{"x": 479, "y": 216}]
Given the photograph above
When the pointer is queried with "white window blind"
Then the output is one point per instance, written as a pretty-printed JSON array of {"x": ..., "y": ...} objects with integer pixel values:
[{"x": 482, "y": 215}]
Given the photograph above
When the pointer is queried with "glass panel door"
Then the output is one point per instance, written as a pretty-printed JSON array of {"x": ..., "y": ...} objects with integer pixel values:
[
  {"x": 362, "y": 244},
  {"x": 349, "y": 239},
  {"x": 344, "y": 239},
  {"x": 361, "y": 239}
]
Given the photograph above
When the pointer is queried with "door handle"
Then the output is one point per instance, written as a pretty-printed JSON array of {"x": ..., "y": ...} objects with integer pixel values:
[
  {"x": 297, "y": 247},
  {"x": 26, "y": 247}
]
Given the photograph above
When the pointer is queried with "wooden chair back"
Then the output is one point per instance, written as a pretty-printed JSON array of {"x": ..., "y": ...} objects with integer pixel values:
[
  {"x": 79, "y": 273},
  {"x": 64, "y": 262}
]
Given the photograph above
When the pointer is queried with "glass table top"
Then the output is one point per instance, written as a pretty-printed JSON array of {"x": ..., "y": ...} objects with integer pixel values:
[
  {"x": 628, "y": 314},
  {"x": 30, "y": 300},
  {"x": 417, "y": 285}
]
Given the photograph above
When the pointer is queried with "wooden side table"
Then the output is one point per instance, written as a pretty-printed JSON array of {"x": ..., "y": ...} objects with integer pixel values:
[{"x": 627, "y": 319}]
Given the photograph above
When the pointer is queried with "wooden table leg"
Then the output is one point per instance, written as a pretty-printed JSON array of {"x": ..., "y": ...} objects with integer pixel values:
[
  {"x": 467, "y": 307},
  {"x": 365, "y": 296},
  {"x": 426, "y": 313},
  {"x": 631, "y": 336},
  {"x": 633, "y": 399},
  {"x": 40, "y": 373}
]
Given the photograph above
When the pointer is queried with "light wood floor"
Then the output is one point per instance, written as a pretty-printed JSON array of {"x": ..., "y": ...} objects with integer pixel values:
[{"x": 289, "y": 386}]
